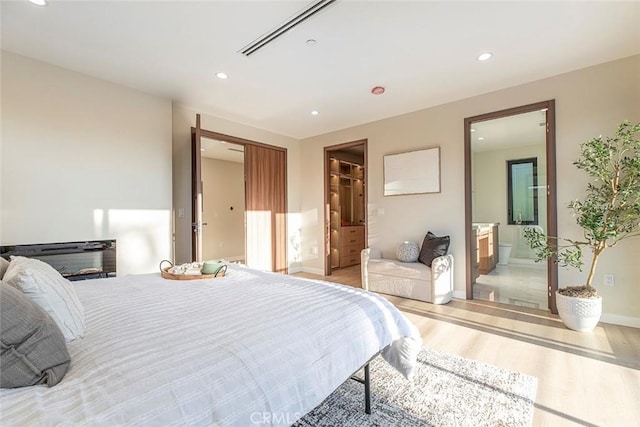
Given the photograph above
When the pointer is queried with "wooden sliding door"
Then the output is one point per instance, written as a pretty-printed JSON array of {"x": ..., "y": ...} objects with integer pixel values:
[
  {"x": 265, "y": 181},
  {"x": 266, "y": 207}
]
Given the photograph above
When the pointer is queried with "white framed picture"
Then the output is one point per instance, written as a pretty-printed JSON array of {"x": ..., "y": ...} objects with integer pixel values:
[{"x": 412, "y": 172}]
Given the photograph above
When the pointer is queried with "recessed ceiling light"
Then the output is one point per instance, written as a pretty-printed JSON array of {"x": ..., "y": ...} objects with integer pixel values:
[
  {"x": 311, "y": 42},
  {"x": 377, "y": 90},
  {"x": 201, "y": 149},
  {"x": 473, "y": 130},
  {"x": 38, "y": 2},
  {"x": 315, "y": 113},
  {"x": 485, "y": 56},
  {"x": 221, "y": 75},
  {"x": 481, "y": 138}
]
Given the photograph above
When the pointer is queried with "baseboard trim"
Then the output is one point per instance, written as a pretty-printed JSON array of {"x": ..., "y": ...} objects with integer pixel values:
[
  {"x": 294, "y": 270},
  {"x": 316, "y": 271},
  {"x": 616, "y": 319},
  {"x": 460, "y": 294}
]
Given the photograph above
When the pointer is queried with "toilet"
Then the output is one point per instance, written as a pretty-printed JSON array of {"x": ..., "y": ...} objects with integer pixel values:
[{"x": 504, "y": 252}]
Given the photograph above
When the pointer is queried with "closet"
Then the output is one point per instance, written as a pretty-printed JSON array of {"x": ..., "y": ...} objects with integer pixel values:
[{"x": 346, "y": 209}]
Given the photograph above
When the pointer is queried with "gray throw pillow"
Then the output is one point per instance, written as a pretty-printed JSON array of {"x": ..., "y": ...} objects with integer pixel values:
[
  {"x": 433, "y": 247},
  {"x": 32, "y": 348}
]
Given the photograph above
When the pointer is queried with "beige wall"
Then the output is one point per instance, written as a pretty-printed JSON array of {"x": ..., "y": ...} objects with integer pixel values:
[
  {"x": 589, "y": 102},
  {"x": 223, "y": 189},
  {"x": 183, "y": 119},
  {"x": 84, "y": 159},
  {"x": 94, "y": 161},
  {"x": 489, "y": 192}
]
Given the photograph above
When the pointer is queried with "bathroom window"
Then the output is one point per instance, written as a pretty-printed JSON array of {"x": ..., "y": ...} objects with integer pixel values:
[{"x": 522, "y": 185}]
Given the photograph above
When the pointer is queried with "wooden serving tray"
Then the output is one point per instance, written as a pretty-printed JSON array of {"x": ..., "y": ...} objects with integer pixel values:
[{"x": 165, "y": 273}]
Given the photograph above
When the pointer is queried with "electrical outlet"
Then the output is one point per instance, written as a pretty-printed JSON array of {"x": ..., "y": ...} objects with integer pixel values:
[{"x": 609, "y": 280}]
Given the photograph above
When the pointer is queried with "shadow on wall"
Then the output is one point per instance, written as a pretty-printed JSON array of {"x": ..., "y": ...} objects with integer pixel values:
[
  {"x": 310, "y": 249},
  {"x": 143, "y": 237},
  {"x": 294, "y": 248}
]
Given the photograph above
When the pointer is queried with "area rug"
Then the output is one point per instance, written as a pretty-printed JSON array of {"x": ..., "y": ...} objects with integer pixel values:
[{"x": 447, "y": 390}]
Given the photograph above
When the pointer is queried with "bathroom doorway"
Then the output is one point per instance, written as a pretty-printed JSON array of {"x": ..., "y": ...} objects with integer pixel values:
[{"x": 510, "y": 186}]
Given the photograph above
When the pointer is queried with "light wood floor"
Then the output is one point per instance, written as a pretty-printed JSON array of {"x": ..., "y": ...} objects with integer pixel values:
[{"x": 584, "y": 379}]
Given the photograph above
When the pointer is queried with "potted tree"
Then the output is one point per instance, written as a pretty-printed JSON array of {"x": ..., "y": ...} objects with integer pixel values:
[{"x": 608, "y": 213}]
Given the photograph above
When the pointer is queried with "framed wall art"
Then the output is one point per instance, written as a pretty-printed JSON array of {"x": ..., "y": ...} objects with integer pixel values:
[{"x": 412, "y": 172}]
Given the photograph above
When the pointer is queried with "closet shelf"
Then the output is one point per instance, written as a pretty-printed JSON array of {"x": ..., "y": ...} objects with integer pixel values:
[{"x": 346, "y": 237}]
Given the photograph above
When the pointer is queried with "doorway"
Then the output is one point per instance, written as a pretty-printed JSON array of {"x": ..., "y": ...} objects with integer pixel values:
[
  {"x": 510, "y": 185},
  {"x": 265, "y": 200},
  {"x": 345, "y": 216},
  {"x": 223, "y": 200}
]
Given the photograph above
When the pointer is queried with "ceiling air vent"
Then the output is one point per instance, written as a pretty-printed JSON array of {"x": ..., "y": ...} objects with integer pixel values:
[{"x": 307, "y": 13}]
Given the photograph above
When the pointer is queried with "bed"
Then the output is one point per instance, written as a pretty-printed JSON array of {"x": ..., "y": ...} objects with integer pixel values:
[{"x": 252, "y": 348}]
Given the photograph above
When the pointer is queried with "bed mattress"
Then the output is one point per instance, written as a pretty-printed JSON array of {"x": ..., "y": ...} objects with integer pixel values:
[{"x": 252, "y": 348}]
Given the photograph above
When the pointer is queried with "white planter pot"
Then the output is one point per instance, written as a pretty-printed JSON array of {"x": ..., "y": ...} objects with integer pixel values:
[{"x": 579, "y": 314}]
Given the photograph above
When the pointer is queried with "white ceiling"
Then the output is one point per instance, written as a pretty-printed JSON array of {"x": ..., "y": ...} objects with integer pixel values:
[
  {"x": 521, "y": 130},
  {"x": 222, "y": 150},
  {"x": 423, "y": 52}
]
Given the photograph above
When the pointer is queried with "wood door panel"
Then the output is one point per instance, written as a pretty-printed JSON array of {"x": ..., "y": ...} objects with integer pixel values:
[
  {"x": 265, "y": 192},
  {"x": 265, "y": 199}
]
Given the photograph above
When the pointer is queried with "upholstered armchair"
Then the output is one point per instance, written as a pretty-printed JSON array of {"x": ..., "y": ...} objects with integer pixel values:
[{"x": 413, "y": 280}]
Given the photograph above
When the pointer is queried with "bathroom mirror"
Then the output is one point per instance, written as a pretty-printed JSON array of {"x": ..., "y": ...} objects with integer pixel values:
[{"x": 522, "y": 191}]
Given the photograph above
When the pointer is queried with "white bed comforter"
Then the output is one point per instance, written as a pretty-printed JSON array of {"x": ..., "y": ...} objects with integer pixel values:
[{"x": 252, "y": 348}]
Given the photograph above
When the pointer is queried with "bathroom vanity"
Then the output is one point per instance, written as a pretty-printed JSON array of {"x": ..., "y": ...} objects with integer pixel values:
[{"x": 484, "y": 248}]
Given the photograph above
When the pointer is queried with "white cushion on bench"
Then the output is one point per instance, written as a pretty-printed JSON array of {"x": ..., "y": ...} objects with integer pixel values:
[{"x": 412, "y": 280}]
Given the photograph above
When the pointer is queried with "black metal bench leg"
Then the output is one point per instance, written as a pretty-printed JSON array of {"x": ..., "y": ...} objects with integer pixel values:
[{"x": 367, "y": 390}]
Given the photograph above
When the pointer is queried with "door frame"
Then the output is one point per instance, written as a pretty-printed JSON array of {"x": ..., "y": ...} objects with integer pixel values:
[
  {"x": 196, "y": 192},
  {"x": 196, "y": 178},
  {"x": 327, "y": 197},
  {"x": 552, "y": 207}
]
